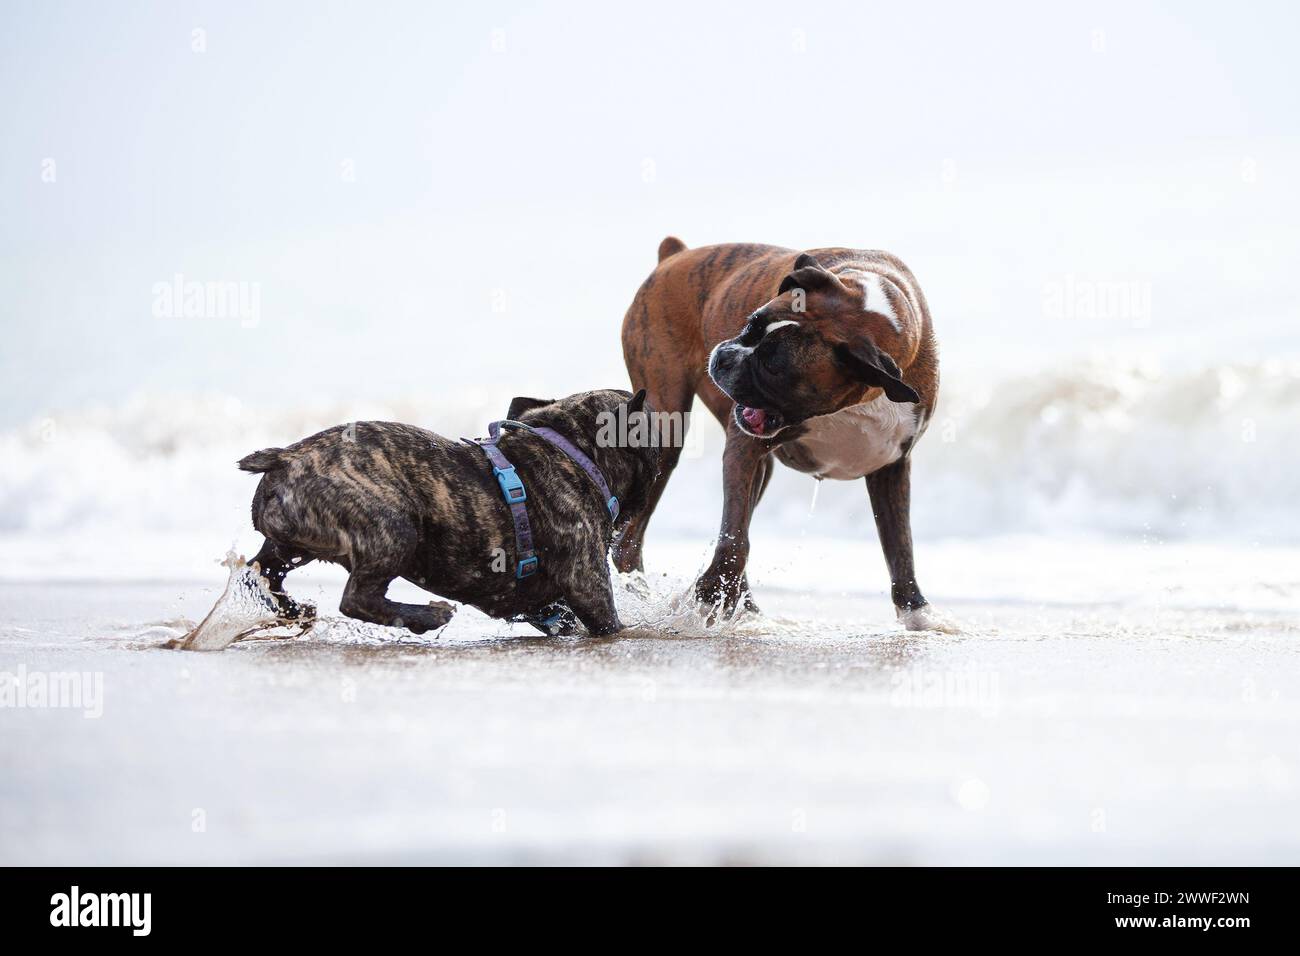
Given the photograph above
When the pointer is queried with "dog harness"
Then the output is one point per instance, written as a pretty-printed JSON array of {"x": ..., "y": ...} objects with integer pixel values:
[{"x": 515, "y": 495}]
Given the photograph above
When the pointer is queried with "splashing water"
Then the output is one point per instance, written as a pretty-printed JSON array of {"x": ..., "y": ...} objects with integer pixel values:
[
  {"x": 244, "y": 608},
  {"x": 654, "y": 607},
  {"x": 668, "y": 608}
]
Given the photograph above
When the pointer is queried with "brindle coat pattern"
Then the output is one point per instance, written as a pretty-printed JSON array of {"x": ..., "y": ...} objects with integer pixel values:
[
  {"x": 838, "y": 356},
  {"x": 387, "y": 500}
]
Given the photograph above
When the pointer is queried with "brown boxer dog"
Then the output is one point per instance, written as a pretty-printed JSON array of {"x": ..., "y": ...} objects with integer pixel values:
[{"x": 825, "y": 360}]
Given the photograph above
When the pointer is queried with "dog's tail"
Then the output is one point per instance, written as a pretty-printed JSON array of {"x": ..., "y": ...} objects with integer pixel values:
[
  {"x": 264, "y": 460},
  {"x": 670, "y": 247}
]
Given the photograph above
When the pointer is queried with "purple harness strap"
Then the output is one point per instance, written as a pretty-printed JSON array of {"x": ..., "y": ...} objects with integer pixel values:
[
  {"x": 585, "y": 463},
  {"x": 512, "y": 486}
]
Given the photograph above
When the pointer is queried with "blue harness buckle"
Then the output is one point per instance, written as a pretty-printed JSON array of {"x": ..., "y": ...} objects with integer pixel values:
[
  {"x": 512, "y": 486},
  {"x": 512, "y": 489}
]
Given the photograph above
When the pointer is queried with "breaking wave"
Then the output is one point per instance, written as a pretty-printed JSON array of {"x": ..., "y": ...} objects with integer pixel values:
[{"x": 1096, "y": 447}]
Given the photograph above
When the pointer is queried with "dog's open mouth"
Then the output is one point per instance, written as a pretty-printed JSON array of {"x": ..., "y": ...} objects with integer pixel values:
[{"x": 759, "y": 422}]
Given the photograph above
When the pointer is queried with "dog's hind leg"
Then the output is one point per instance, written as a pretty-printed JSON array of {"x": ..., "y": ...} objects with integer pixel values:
[
  {"x": 274, "y": 561},
  {"x": 365, "y": 597},
  {"x": 673, "y": 399}
]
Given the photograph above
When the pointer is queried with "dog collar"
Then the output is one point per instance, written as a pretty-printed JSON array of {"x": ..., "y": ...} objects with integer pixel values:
[{"x": 514, "y": 493}]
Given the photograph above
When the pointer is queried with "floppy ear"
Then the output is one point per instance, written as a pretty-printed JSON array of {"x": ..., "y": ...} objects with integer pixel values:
[
  {"x": 808, "y": 273},
  {"x": 637, "y": 402},
  {"x": 870, "y": 365},
  {"x": 520, "y": 405}
]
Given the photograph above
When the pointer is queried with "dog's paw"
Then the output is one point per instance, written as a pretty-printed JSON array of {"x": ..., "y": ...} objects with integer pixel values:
[
  {"x": 298, "y": 612},
  {"x": 716, "y": 598},
  {"x": 433, "y": 617},
  {"x": 926, "y": 618}
]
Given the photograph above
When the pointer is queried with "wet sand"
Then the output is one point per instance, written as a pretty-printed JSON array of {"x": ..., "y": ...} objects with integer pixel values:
[{"x": 1059, "y": 733}]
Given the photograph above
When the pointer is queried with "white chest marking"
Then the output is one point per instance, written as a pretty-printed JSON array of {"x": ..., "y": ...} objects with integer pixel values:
[{"x": 860, "y": 439}]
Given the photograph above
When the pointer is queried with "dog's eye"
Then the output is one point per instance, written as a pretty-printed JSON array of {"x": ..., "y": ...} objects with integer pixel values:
[{"x": 752, "y": 332}]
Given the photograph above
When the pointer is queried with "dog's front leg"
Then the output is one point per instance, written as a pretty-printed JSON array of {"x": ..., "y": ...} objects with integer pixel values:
[
  {"x": 590, "y": 595},
  {"x": 365, "y": 599},
  {"x": 890, "y": 490},
  {"x": 745, "y": 467}
]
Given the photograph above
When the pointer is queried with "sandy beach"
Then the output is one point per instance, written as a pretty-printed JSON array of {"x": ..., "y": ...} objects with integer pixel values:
[{"x": 1121, "y": 731}]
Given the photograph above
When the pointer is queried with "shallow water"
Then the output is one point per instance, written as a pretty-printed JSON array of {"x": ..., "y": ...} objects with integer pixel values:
[
  {"x": 1108, "y": 730},
  {"x": 243, "y": 610}
]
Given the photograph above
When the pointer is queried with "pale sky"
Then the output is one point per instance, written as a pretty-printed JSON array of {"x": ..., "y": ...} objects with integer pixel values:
[{"x": 432, "y": 195}]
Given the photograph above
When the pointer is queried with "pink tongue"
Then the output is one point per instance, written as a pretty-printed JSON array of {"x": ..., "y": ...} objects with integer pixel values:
[{"x": 755, "y": 418}]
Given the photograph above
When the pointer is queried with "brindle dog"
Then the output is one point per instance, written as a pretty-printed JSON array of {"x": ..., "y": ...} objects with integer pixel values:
[
  {"x": 824, "y": 360},
  {"x": 387, "y": 501}
]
